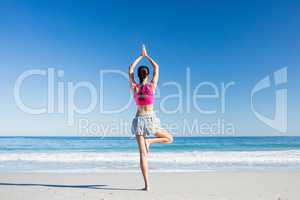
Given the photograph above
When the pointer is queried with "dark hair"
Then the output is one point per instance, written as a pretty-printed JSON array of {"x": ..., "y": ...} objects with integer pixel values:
[{"x": 143, "y": 72}]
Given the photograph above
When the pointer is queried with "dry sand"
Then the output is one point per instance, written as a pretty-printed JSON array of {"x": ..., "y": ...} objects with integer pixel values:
[{"x": 125, "y": 186}]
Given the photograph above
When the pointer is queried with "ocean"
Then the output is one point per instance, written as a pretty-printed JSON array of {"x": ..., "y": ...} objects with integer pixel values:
[{"x": 92, "y": 154}]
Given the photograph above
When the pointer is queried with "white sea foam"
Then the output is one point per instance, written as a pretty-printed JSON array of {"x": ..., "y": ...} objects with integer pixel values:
[{"x": 216, "y": 157}]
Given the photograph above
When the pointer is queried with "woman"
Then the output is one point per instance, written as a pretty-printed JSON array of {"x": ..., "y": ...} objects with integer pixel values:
[{"x": 145, "y": 122}]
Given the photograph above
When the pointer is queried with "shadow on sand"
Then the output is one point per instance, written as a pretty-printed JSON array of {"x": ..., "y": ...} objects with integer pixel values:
[{"x": 99, "y": 187}]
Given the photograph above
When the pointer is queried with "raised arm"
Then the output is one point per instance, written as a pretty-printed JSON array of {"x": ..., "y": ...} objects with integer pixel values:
[
  {"x": 155, "y": 70},
  {"x": 131, "y": 71}
]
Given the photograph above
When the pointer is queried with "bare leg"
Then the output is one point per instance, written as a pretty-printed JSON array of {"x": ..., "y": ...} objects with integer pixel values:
[
  {"x": 143, "y": 159},
  {"x": 161, "y": 137}
]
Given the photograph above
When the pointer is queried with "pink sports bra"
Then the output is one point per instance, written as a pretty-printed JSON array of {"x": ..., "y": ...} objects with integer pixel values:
[{"x": 144, "y": 95}]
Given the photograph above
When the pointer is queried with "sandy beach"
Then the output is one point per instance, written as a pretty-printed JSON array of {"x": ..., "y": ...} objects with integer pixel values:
[{"x": 196, "y": 185}]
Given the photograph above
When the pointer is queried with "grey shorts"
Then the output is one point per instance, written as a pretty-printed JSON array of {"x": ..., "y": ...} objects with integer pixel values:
[{"x": 145, "y": 124}]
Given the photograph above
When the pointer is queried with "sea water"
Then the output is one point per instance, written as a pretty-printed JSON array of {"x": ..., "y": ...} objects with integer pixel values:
[{"x": 92, "y": 154}]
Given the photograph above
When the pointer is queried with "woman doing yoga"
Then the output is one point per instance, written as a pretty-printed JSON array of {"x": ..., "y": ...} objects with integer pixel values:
[{"x": 145, "y": 122}]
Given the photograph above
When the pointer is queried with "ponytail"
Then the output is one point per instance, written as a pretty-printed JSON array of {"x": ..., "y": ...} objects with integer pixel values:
[
  {"x": 143, "y": 72},
  {"x": 141, "y": 79}
]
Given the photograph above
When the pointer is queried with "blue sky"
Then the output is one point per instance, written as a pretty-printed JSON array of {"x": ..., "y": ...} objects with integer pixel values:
[{"x": 219, "y": 41}]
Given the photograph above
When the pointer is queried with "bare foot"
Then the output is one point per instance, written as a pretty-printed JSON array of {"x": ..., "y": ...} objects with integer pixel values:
[{"x": 146, "y": 189}]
